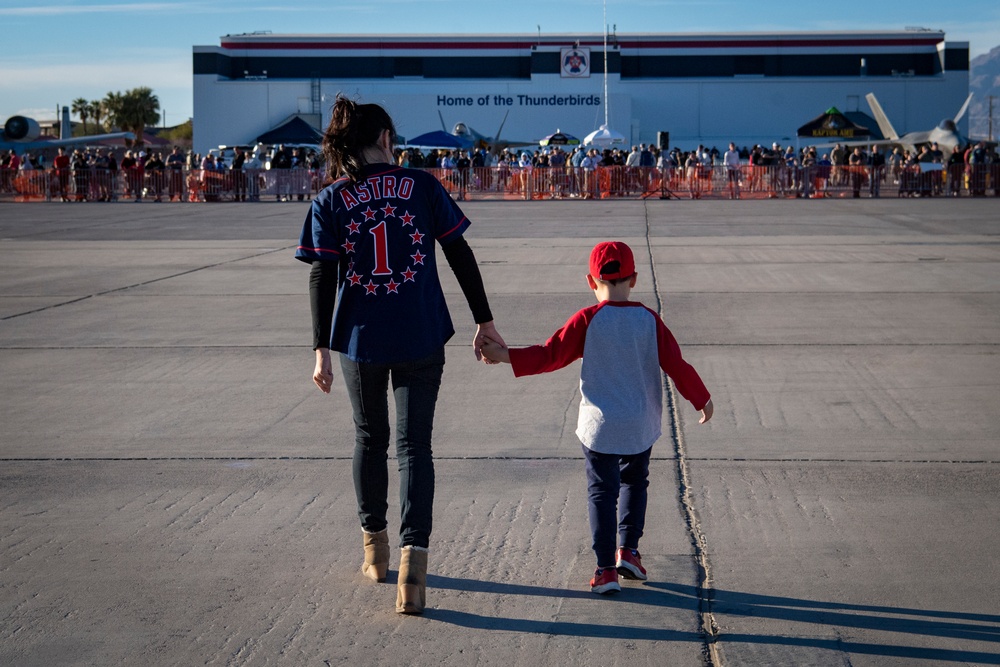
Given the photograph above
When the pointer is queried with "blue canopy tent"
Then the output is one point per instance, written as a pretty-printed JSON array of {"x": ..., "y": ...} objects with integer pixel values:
[
  {"x": 438, "y": 139},
  {"x": 294, "y": 131}
]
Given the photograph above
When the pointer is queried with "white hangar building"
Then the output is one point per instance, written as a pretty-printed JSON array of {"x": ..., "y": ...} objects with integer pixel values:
[{"x": 685, "y": 88}]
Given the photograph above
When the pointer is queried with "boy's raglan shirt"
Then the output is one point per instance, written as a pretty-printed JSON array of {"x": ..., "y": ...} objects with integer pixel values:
[{"x": 624, "y": 345}]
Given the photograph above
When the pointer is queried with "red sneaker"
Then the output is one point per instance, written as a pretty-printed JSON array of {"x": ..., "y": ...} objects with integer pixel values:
[
  {"x": 605, "y": 581},
  {"x": 629, "y": 564}
]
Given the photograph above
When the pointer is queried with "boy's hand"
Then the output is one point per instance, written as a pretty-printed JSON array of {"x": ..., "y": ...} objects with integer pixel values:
[
  {"x": 486, "y": 331},
  {"x": 495, "y": 352},
  {"x": 706, "y": 412}
]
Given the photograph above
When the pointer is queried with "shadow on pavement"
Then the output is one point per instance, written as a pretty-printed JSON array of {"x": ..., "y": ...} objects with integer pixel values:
[{"x": 676, "y": 596}]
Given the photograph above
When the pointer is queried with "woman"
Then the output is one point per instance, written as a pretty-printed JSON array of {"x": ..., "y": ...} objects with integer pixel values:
[{"x": 372, "y": 232}]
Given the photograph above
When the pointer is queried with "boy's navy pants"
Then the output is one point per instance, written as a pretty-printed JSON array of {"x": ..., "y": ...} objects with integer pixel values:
[{"x": 616, "y": 488}]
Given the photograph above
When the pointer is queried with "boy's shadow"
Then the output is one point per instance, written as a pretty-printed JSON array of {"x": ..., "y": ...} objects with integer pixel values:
[{"x": 927, "y": 623}]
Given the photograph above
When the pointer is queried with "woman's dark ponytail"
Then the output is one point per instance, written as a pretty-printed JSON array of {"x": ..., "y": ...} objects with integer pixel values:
[{"x": 353, "y": 128}]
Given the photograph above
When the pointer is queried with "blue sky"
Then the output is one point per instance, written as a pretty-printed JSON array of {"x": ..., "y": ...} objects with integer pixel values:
[{"x": 55, "y": 51}]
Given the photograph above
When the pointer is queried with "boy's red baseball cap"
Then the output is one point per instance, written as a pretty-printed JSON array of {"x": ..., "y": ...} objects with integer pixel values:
[{"x": 605, "y": 253}]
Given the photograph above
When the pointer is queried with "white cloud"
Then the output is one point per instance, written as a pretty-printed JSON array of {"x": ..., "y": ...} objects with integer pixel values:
[
  {"x": 26, "y": 90},
  {"x": 118, "y": 75},
  {"x": 62, "y": 10}
]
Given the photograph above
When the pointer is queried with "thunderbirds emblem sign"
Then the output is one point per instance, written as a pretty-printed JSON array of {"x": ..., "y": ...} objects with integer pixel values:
[{"x": 575, "y": 62}]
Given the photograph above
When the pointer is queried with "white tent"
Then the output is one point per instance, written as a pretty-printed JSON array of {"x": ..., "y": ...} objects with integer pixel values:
[{"x": 604, "y": 137}]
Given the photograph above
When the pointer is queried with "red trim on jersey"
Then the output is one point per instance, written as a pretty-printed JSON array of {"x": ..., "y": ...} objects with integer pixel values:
[
  {"x": 453, "y": 228},
  {"x": 335, "y": 252}
]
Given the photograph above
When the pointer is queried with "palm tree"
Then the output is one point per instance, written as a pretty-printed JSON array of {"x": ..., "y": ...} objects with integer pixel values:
[
  {"x": 81, "y": 108},
  {"x": 133, "y": 111},
  {"x": 97, "y": 112},
  {"x": 112, "y": 105}
]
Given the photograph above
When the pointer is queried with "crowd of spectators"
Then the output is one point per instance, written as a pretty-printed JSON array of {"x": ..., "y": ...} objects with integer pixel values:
[{"x": 295, "y": 173}]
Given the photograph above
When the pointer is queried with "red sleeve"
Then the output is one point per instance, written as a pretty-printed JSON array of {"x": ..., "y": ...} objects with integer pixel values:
[
  {"x": 685, "y": 377},
  {"x": 563, "y": 348}
]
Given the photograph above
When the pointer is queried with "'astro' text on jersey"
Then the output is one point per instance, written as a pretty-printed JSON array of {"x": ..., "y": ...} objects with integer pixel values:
[{"x": 381, "y": 230}]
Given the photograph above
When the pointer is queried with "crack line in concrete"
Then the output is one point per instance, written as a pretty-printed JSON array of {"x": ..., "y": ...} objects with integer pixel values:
[
  {"x": 709, "y": 628},
  {"x": 144, "y": 283}
]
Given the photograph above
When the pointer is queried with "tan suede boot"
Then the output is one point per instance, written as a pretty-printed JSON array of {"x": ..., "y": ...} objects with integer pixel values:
[
  {"x": 376, "y": 555},
  {"x": 411, "y": 592}
]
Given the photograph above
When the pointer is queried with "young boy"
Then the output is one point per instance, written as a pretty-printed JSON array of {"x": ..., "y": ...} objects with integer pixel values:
[{"x": 624, "y": 345}]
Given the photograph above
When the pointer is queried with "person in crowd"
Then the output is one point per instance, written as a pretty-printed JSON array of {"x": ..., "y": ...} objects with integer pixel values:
[
  {"x": 978, "y": 162},
  {"x": 876, "y": 171},
  {"x": 557, "y": 163},
  {"x": 925, "y": 162},
  {"x": 463, "y": 165},
  {"x": 113, "y": 170},
  {"x": 61, "y": 166},
  {"x": 503, "y": 170},
  {"x": 692, "y": 169},
  {"x": 589, "y": 168},
  {"x": 281, "y": 163},
  {"x": 299, "y": 175},
  {"x": 824, "y": 168},
  {"x": 855, "y": 164},
  {"x": 209, "y": 178},
  {"x": 137, "y": 174},
  {"x": 838, "y": 158},
  {"x": 895, "y": 164},
  {"x": 101, "y": 177},
  {"x": 238, "y": 176},
  {"x": 956, "y": 171},
  {"x": 808, "y": 172},
  {"x": 667, "y": 167},
  {"x": 632, "y": 170},
  {"x": 175, "y": 169},
  {"x": 416, "y": 158},
  {"x": 154, "y": 170},
  {"x": 252, "y": 167},
  {"x": 370, "y": 239},
  {"x": 81, "y": 175},
  {"x": 938, "y": 176},
  {"x": 731, "y": 161}
]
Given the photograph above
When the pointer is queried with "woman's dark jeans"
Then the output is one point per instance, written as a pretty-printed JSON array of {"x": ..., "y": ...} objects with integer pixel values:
[{"x": 415, "y": 386}]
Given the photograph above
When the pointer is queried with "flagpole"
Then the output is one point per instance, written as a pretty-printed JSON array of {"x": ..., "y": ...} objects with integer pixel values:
[{"x": 605, "y": 63}]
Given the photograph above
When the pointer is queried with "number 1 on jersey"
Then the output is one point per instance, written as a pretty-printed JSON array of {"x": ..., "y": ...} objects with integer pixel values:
[{"x": 381, "y": 250}]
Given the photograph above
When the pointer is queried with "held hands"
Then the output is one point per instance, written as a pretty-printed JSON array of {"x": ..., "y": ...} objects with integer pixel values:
[
  {"x": 323, "y": 373},
  {"x": 494, "y": 352},
  {"x": 707, "y": 412},
  {"x": 486, "y": 333}
]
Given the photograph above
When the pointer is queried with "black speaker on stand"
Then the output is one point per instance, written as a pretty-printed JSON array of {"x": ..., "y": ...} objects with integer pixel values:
[{"x": 663, "y": 142}]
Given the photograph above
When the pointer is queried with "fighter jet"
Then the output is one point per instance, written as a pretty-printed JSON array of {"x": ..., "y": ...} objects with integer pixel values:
[
  {"x": 946, "y": 135},
  {"x": 469, "y": 136},
  {"x": 21, "y": 133}
]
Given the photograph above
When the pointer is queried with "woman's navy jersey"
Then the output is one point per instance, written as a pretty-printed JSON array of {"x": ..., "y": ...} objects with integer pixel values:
[{"x": 381, "y": 231}]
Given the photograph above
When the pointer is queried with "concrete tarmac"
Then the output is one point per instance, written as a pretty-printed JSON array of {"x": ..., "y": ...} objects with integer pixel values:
[{"x": 174, "y": 490}]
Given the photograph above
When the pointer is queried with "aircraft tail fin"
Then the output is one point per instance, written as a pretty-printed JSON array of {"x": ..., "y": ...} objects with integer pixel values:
[
  {"x": 883, "y": 121},
  {"x": 497, "y": 137},
  {"x": 965, "y": 107}
]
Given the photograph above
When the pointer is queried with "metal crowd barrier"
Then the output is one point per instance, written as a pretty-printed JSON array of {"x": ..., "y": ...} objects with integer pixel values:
[
  {"x": 195, "y": 185},
  {"x": 514, "y": 183}
]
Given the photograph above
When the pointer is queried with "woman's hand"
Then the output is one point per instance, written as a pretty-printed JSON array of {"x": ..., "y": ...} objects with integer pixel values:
[{"x": 323, "y": 373}]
